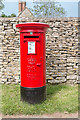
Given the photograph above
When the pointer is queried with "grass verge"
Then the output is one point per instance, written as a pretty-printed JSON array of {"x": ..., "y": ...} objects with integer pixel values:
[{"x": 60, "y": 98}]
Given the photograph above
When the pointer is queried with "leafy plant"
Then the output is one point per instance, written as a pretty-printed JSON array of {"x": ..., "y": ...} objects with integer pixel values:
[
  {"x": 1, "y": 4},
  {"x": 3, "y": 15},
  {"x": 48, "y": 9},
  {"x": 12, "y": 15}
]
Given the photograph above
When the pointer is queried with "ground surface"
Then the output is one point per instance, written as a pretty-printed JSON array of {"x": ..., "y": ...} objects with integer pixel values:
[
  {"x": 55, "y": 115},
  {"x": 61, "y": 101}
]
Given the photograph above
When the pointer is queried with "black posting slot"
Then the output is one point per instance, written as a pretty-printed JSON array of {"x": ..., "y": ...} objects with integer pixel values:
[{"x": 31, "y": 36}]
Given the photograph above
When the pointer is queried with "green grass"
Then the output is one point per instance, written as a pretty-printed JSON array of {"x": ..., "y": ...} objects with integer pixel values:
[{"x": 60, "y": 98}]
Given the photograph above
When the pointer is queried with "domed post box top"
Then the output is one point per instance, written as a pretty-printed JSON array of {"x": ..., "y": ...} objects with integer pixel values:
[{"x": 35, "y": 27}]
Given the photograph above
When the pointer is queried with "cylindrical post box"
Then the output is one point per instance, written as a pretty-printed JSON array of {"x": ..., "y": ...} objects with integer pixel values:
[{"x": 33, "y": 62}]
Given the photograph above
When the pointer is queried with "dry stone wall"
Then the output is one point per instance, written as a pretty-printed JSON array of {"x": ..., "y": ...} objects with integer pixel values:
[{"x": 61, "y": 50}]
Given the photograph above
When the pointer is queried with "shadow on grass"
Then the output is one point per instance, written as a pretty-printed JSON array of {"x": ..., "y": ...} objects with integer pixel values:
[{"x": 53, "y": 89}]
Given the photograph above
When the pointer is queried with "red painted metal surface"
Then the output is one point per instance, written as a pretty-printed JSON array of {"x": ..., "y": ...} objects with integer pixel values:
[{"x": 32, "y": 54}]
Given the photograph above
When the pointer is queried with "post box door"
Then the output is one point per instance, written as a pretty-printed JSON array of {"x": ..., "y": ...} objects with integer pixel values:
[{"x": 31, "y": 63}]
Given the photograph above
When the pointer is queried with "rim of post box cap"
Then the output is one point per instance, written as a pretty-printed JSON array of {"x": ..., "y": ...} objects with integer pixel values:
[{"x": 32, "y": 25}]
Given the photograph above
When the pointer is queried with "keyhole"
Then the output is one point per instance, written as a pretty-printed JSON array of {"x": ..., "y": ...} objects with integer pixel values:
[{"x": 24, "y": 41}]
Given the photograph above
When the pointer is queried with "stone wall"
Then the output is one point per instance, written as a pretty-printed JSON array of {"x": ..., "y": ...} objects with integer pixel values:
[{"x": 61, "y": 50}]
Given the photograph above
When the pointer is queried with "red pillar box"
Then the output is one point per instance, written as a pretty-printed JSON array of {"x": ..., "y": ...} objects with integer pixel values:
[{"x": 33, "y": 62}]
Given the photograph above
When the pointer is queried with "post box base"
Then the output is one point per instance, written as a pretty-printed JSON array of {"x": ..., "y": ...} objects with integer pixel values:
[{"x": 33, "y": 95}]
